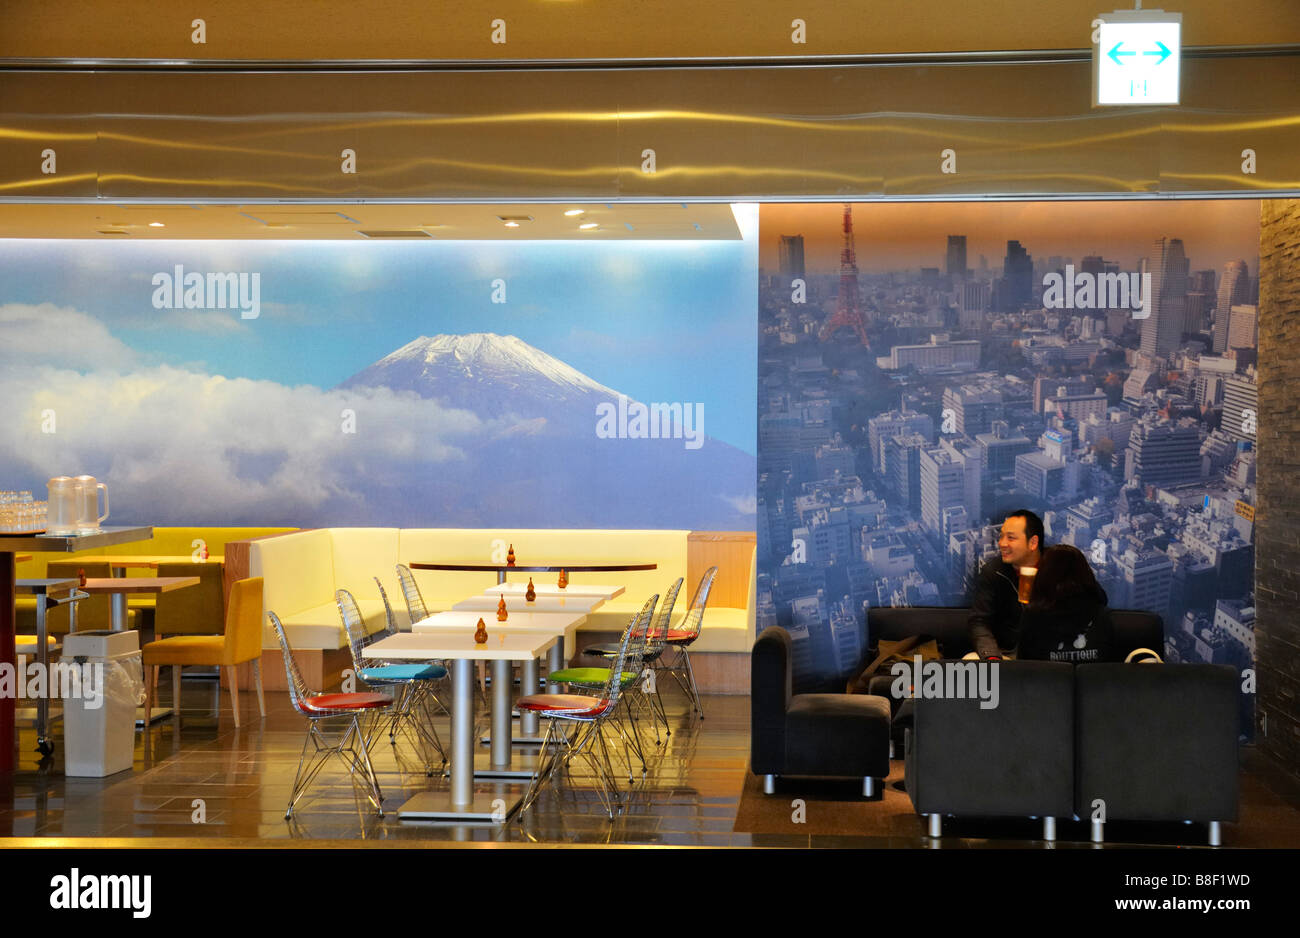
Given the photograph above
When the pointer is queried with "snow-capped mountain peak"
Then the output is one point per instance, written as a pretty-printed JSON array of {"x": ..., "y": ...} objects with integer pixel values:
[{"x": 487, "y": 373}]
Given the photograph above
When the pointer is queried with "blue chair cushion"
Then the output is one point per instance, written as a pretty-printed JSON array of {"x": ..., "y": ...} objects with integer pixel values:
[{"x": 404, "y": 672}]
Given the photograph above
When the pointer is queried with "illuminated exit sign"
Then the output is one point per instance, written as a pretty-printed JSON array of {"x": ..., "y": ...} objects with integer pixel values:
[{"x": 1137, "y": 57}]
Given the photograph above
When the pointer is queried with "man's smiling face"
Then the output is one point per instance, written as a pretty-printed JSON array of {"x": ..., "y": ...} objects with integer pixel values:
[{"x": 1014, "y": 547}]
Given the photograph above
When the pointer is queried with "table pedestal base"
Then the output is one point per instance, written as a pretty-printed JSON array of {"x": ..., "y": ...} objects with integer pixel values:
[
  {"x": 518, "y": 736},
  {"x": 522, "y": 765},
  {"x": 485, "y": 808}
]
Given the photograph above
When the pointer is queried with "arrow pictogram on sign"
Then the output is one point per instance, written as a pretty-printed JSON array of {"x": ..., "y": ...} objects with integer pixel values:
[{"x": 1115, "y": 53}]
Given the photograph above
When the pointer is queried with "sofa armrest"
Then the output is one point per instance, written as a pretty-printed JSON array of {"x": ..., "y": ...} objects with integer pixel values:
[{"x": 770, "y": 693}]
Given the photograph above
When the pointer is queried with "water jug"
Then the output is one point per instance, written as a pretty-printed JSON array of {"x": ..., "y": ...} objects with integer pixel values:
[
  {"x": 88, "y": 516},
  {"x": 62, "y": 511}
]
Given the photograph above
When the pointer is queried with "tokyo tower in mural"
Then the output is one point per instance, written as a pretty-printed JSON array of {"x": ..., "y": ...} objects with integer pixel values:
[{"x": 848, "y": 312}]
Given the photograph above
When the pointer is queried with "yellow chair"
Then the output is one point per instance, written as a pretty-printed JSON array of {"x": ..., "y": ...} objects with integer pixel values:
[{"x": 242, "y": 642}]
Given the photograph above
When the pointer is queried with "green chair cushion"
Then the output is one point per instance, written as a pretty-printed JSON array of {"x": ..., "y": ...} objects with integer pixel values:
[{"x": 595, "y": 677}]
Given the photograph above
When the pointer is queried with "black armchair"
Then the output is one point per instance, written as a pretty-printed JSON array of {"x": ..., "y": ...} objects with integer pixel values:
[{"x": 832, "y": 735}]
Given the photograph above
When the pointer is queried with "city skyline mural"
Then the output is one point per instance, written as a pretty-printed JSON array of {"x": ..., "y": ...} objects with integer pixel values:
[{"x": 924, "y": 369}]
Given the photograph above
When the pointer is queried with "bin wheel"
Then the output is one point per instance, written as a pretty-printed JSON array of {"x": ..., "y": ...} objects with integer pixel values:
[{"x": 45, "y": 746}]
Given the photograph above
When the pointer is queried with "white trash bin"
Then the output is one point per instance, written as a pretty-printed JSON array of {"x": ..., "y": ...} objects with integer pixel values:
[{"x": 99, "y": 726}]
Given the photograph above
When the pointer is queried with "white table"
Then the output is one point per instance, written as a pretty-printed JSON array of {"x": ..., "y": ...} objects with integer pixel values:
[
  {"x": 462, "y": 803},
  {"x": 517, "y": 604},
  {"x": 562, "y": 625},
  {"x": 603, "y": 590}
]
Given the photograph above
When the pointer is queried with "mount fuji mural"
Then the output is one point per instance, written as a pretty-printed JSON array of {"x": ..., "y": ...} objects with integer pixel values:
[
  {"x": 538, "y": 461},
  {"x": 488, "y": 374},
  {"x": 382, "y": 385}
]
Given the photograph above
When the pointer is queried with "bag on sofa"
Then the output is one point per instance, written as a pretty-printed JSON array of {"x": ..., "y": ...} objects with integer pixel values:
[{"x": 889, "y": 653}]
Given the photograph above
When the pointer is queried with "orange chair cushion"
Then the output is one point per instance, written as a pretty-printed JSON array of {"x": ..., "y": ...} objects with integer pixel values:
[{"x": 328, "y": 702}]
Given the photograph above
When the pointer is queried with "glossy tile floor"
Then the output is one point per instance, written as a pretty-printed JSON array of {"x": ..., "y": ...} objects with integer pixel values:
[{"x": 206, "y": 778}]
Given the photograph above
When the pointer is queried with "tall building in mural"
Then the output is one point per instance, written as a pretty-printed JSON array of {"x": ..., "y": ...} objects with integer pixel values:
[
  {"x": 1234, "y": 290},
  {"x": 848, "y": 309},
  {"x": 1243, "y": 326},
  {"x": 1162, "y": 330},
  {"x": 1017, "y": 285},
  {"x": 956, "y": 266},
  {"x": 1130, "y": 437},
  {"x": 792, "y": 257}
]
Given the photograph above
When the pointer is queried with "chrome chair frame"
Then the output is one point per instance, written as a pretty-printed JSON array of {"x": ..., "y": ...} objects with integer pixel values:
[
  {"x": 656, "y": 642},
  {"x": 624, "y": 717},
  {"x": 415, "y": 606},
  {"x": 681, "y": 669},
  {"x": 410, "y": 714},
  {"x": 351, "y": 747},
  {"x": 417, "y": 610},
  {"x": 560, "y": 748}
]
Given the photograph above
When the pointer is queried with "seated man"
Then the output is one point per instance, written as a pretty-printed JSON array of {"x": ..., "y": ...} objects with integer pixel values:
[{"x": 995, "y": 607}]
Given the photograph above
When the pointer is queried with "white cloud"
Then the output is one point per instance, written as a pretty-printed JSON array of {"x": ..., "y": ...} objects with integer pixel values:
[
  {"x": 207, "y": 321},
  {"x": 181, "y": 445},
  {"x": 744, "y": 504},
  {"x": 58, "y": 335}
]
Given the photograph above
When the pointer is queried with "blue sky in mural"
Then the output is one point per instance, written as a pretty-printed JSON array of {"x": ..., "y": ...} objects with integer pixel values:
[{"x": 659, "y": 321}]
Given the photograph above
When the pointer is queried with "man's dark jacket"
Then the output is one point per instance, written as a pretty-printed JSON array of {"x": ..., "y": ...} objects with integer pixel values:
[{"x": 995, "y": 609}]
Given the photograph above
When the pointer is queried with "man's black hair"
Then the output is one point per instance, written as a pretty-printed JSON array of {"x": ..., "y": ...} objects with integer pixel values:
[{"x": 1033, "y": 525}]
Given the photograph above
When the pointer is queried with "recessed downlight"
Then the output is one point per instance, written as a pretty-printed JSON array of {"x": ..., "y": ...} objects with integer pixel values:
[
  {"x": 156, "y": 224},
  {"x": 575, "y": 211},
  {"x": 588, "y": 226},
  {"x": 512, "y": 224}
]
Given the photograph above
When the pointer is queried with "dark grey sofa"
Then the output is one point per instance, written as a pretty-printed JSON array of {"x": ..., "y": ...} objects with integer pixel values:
[
  {"x": 1016, "y": 759},
  {"x": 1100, "y": 742},
  {"x": 1156, "y": 743}
]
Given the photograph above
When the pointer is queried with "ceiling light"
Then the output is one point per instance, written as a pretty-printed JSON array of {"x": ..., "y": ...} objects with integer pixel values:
[
  {"x": 156, "y": 224},
  {"x": 512, "y": 224},
  {"x": 588, "y": 226},
  {"x": 575, "y": 211}
]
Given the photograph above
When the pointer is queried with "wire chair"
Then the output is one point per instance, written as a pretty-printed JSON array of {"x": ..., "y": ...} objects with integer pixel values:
[
  {"x": 656, "y": 642},
  {"x": 411, "y": 590},
  {"x": 680, "y": 639},
  {"x": 412, "y": 684},
  {"x": 585, "y": 716},
  {"x": 393, "y": 625},
  {"x": 351, "y": 746},
  {"x": 593, "y": 679}
]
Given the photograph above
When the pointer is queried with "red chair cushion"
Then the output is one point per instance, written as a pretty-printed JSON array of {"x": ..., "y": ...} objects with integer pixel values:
[
  {"x": 678, "y": 635},
  {"x": 575, "y": 704},
  {"x": 325, "y": 702}
]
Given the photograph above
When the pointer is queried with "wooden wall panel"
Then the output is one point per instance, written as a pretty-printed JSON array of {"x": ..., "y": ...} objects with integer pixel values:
[{"x": 732, "y": 552}]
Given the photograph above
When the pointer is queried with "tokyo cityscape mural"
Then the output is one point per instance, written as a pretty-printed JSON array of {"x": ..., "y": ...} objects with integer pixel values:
[{"x": 924, "y": 369}]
